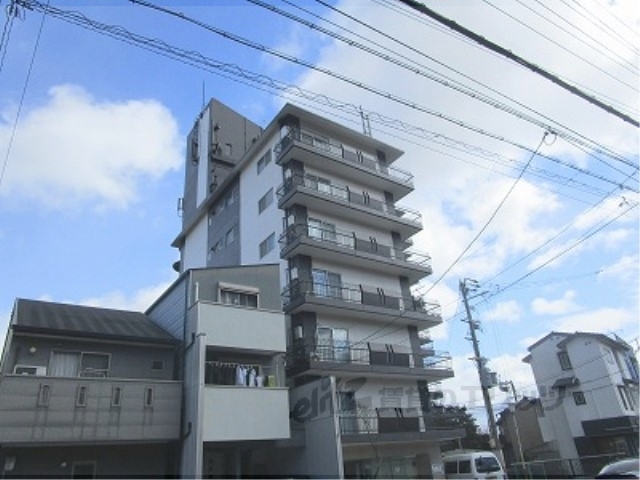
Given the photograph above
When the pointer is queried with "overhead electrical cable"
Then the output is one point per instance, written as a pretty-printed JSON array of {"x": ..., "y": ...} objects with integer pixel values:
[
  {"x": 21, "y": 103},
  {"x": 519, "y": 60},
  {"x": 475, "y": 238},
  {"x": 367, "y": 87},
  {"x": 434, "y": 76},
  {"x": 566, "y": 250},
  {"x": 407, "y": 12},
  {"x": 11, "y": 12},
  {"x": 609, "y": 12},
  {"x": 198, "y": 60},
  {"x": 620, "y": 61},
  {"x": 607, "y": 46}
]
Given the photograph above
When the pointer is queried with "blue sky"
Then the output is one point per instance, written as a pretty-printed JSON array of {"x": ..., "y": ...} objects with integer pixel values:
[{"x": 94, "y": 170}]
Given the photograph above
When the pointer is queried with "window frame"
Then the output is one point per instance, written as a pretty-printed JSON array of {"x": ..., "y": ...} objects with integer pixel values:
[
  {"x": 565, "y": 360},
  {"x": 579, "y": 398},
  {"x": 267, "y": 245},
  {"x": 263, "y": 161},
  {"x": 265, "y": 201},
  {"x": 225, "y": 291}
]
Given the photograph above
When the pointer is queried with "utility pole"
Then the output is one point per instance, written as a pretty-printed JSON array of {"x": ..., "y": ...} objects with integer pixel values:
[{"x": 486, "y": 376}]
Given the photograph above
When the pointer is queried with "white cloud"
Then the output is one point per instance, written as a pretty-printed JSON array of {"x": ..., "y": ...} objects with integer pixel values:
[
  {"x": 561, "y": 306},
  {"x": 137, "y": 301},
  {"x": 76, "y": 149},
  {"x": 508, "y": 311},
  {"x": 625, "y": 269},
  {"x": 605, "y": 319}
]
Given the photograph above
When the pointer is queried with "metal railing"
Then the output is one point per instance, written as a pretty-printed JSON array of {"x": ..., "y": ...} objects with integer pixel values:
[
  {"x": 342, "y": 192},
  {"x": 362, "y": 421},
  {"x": 333, "y": 148},
  {"x": 229, "y": 374},
  {"x": 359, "y": 294},
  {"x": 339, "y": 352},
  {"x": 581, "y": 467},
  {"x": 349, "y": 240}
]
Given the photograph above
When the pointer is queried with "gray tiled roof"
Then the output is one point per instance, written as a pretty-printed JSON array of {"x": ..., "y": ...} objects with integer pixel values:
[{"x": 81, "y": 321}]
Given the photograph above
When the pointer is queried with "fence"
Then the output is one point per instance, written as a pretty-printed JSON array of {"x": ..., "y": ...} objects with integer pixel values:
[{"x": 581, "y": 467}]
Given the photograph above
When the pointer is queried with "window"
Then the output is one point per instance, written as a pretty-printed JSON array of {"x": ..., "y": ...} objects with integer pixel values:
[
  {"x": 326, "y": 284},
  {"x": 216, "y": 247},
  {"x": 450, "y": 468},
  {"x": 116, "y": 396},
  {"x": 44, "y": 394},
  {"x": 267, "y": 245},
  {"x": 231, "y": 197},
  {"x": 148, "y": 397},
  {"x": 157, "y": 365},
  {"x": 333, "y": 344},
  {"x": 81, "y": 396},
  {"x": 79, "y": 364},
  {"x": 321, "y": 230},
  {"x": 579, "y": 398},
  {"x": 565, "y": 363},
  {"x": 265, "y": 201},
  {"x": 231, "y": 235},
  {"x": 464, "y": 466},
  {"x": 264, "y": 161},
  {"x": 94, "y": 365},
  {"x": 241, "y": 299},
  {"x": 624, "y": 396},
  {"x": 228, "y": 149},
  {"x": 318, "y": 183}
]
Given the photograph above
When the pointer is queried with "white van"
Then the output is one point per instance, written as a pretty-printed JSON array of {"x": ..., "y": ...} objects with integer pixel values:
[{"x": 472, "y": 465}]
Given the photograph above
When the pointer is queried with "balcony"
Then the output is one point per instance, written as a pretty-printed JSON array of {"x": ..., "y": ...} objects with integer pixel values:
[
  {"x": 235, "y": 412},
  {"x": 368, "y": 359},
  {"x": 331, "y": 156},
  {"x": 348, "y": 249},
  {"x": 339, "y": 200},
  {"x": 249, "y": 329},
  {"x": 360, "y": 301},
  {"x": 40, "y": 409},
  {"x": 390, "y": 425}
]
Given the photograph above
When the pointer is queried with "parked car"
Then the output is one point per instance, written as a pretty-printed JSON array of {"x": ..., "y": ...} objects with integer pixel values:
[
  {"x": 472, "y": 465},
  {"x": 626, "y": 468}
]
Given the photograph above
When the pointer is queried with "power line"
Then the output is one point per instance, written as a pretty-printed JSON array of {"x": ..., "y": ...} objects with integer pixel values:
[
  {"x": 22, "y": 95},
  {"x": 367, "y": 87},
  {"x": 519, "y": 60},
  {"x": 609, "y": 54}
]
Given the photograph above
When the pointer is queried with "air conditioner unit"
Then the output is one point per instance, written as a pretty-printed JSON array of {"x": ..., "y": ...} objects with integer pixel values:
[{"x": 29, "y": 370}]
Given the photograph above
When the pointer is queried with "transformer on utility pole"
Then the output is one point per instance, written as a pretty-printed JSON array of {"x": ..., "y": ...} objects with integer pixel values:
[{"x": 488, "y": 379}]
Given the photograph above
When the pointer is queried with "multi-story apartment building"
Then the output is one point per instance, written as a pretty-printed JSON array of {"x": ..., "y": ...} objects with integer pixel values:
[
  {"x": 588, "y": 385},
  {"x": 87, "y": 392},
  {"x": 319, "y": 200}
]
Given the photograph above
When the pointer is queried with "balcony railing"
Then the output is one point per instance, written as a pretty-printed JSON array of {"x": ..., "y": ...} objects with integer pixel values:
[
  {"x": 338, "y": 150},
  {"x": 244, "y": 374},
  {"x": 379, "y": 355},
  {"x": 343, "y": 193},
  {"x": 359, "y": 294},
  {"x": 349, "y": 240},
  {"x": 373, "y": 421}
]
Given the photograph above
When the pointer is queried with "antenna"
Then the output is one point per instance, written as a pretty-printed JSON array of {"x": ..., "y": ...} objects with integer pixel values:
[{"x": 366, "y": 126}]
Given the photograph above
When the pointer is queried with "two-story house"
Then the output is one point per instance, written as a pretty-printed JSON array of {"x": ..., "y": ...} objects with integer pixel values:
[
  {"x": 87, "y": 392},
  {"x": 588, "y": 386}
]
